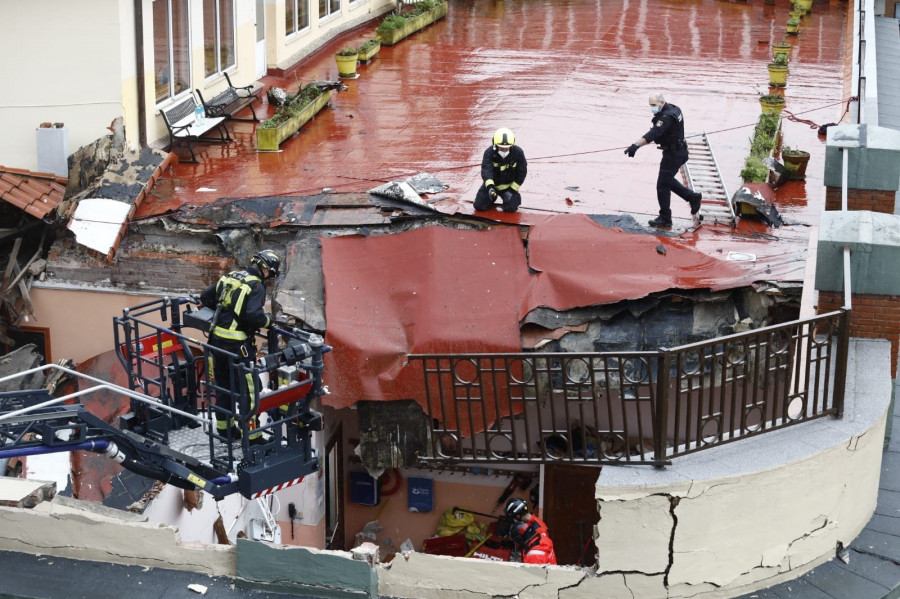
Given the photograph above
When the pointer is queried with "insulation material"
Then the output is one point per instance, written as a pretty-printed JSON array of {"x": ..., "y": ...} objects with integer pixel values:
[{"x": 97, "y": 223}]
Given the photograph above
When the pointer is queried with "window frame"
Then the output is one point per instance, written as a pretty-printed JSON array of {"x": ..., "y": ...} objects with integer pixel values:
[
  {"x": 171, "y": 77},
  {"x": 219, "y": 68},
  {"x": 298, "y": 27},
  {"x": 328, "y": 9}
]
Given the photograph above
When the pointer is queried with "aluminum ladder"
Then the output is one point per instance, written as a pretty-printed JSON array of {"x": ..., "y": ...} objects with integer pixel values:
[{"x": 701, "y": 173}]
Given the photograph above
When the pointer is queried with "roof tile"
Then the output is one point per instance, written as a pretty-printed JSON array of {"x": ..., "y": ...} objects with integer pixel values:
[{"x": 36, "y": 193}]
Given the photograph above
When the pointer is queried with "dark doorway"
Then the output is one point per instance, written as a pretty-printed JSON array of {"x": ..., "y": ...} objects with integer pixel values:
[
  {"x": 334, "y": 490},
  {"x": 570, "y": 511}
]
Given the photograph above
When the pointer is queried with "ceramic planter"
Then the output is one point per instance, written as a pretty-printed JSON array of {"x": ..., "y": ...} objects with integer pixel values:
[
  {"x": 392, "y": 36},
  {"x": 784, "y": 49},
  {"x": 795, "y": 163},
  {"x": 346, "y": 65},
  {"x": 806, "y": 5},
  {"x": 367, "y": 55},
  {"x": 771, "y": 104},
  {"x": 268, "y": 140},
  {"x": 793, "y": 28},
  {"x": 777, "y": 74}
]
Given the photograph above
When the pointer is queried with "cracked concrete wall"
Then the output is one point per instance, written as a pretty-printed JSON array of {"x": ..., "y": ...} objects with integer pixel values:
[
  {"x": 747, "y": 515},
  {"x": 82, "y": 530}
]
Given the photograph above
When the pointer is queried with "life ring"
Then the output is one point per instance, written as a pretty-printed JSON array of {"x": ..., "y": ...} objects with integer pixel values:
[{"x": 390, "y": 482}]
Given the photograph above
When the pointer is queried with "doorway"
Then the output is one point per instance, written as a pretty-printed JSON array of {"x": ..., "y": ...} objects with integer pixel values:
[
  {"x": 260, "y": 38},
  {"x": 570, "y": 511},
  {"x": 334, "y": 490}
]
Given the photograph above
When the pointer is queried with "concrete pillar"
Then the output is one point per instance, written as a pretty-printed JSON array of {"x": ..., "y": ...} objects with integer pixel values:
[{"x": 873, "y": 174}]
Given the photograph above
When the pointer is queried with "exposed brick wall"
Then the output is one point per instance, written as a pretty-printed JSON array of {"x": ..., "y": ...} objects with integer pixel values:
[
  {"x": 178, "y": 273},
  {"x": 872, "y": 317},
  {"x": 874, "y": 200}
]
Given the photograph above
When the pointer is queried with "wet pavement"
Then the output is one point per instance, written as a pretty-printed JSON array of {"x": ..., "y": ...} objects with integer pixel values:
[{"x": 571, "y": 78}]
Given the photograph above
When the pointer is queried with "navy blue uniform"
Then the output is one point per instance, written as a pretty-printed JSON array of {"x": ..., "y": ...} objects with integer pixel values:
[
  {"x": 506, "y": 175},
  {"x": 668, "y": 132}
]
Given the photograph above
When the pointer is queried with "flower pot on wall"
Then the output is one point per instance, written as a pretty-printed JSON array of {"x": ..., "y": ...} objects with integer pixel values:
[
  {"x": 346, "y": 64},
  {"x": 268, "y": 139},
  {"x": 782, "y": 48},
  {"x": 793, "y": 26},
  {"x": 389, "y": 37},
  {"x": 368, "y": 50},
  {"x": 771, "y": 104},
  {"x": 777, "y": 74},
  {"x": 795, "y": 161},
  {"x": 806, "y": 5}
]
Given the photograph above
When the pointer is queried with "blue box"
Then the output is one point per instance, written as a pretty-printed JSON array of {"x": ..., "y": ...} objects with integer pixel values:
[
  {"x": 364, "y": 489},
  {"x": 420, "y": 494}
]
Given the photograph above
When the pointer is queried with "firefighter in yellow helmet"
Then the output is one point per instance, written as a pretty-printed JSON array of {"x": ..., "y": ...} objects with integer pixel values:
[
  {"x": 503, "y": 170},
  {"x": 238, "y": 299}
]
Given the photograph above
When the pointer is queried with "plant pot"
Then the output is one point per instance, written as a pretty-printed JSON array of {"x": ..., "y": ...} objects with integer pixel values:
[
  {"x": 771, "y": 104},
  {"x": 777, "y": 74},
  {"x": 795, "y": 163},
  {"x": 346, "y": 65},
  {"x": 367, "y": 55},
  {"x": 784, "y": 49},
  {"x": 392, "y": 36},
  {"x": 806, "y": 5},
  {"x": 793, "y": 28},
  {"x": 268, "y": 140}
]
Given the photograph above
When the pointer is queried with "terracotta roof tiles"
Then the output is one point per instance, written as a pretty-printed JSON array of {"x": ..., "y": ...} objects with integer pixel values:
[{"x": 38, "y": 194}]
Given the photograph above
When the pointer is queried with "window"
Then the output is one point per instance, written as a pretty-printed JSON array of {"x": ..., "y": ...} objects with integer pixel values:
[
  {"x": 328, "y": 7},
  {"x": 296, "y": 16},
  {"x": 218, "y": 35},
  {"x": 171, "y": 48}
]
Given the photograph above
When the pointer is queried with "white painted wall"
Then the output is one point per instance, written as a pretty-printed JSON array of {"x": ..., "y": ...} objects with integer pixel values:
[{"x": 62, "y": 62}]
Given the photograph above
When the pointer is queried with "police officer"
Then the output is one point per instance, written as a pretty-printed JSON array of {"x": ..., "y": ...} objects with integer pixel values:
[
  {"x": 503, "y": 170},
  {"x": 530, "y": 533},
  {"x": 239, "y": 299},
  {"x": 668, "y": 132}
]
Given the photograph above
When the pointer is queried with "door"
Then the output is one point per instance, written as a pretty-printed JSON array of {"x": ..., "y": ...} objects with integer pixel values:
[
  {"x": 334, "y": 490},
  {"x": 570, "y": 512},
  {"x": 260, "y": 38}
]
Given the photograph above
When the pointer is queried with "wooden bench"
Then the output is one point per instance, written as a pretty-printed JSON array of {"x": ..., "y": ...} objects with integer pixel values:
[
  {"x": 185, "y": 129},
  {"x": 230, "y": 101}
]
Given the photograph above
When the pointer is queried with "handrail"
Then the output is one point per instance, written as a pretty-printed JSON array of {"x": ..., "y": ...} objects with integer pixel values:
[{"x": 643, "y": 407}]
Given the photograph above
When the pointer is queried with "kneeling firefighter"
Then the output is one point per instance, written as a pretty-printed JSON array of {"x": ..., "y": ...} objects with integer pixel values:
[
  {"x": 530, "y": 533},
  {"x": 503, "y": 171}
]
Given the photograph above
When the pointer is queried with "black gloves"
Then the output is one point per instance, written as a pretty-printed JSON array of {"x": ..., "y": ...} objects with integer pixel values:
[
  {"x": 492, "y": 192},
  {"x": 632, "y": 150}
]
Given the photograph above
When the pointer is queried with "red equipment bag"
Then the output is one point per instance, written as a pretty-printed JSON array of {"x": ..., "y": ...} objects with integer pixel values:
[{"x": 454, "y": 545}]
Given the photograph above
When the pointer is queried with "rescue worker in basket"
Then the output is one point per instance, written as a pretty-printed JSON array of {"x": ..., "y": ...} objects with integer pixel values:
[
  {"x": 530, "y": 533},
  {"x": 238, "y": 299},
  {"x": 503, "y": 170}
]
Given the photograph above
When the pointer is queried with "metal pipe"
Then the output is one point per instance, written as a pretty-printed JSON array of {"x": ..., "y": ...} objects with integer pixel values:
[{"x": 100, "y": 445}]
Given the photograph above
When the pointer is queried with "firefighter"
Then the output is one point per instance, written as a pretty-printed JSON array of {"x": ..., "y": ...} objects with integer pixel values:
[
  {"x": 238, "y": 299},
  {"x": 503, "y": 170},
  {"x": 530, "y": 533},
  {"x": 668, "y": 132}
]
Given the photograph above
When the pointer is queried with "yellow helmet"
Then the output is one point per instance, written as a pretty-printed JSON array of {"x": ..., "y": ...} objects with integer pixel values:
[{"x": 504, "y": 137}]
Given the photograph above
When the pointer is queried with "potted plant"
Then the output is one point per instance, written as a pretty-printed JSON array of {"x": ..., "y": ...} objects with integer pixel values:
[
  {"x": 771, "y": 103},
  {"x": 778, "y": 70},
  {"x": 795, "y": 162},
  {"x": 805, "y": 5},
  {"x": 346, "y": 61},
  {"x": 782, "y": 47},
  {"x": 368, "y": 50},
  {"x": 396, "y": 27},
  {"x": 296, "y": 110},
  {"x": 793, "y": 26}
]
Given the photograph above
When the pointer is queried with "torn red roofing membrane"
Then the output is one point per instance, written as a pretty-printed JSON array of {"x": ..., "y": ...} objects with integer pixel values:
[{"x": 36, "y": 193}]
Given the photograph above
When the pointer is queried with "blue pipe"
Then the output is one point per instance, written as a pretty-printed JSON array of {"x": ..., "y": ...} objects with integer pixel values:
[{"x": 44, "y": 449}]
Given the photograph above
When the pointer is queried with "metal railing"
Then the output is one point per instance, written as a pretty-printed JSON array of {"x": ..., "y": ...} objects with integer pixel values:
[{"x": 643, "y": 407}]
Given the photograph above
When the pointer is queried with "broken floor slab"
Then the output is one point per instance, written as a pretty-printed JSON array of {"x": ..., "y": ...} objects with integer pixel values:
[{"x": 417, "y": 575}]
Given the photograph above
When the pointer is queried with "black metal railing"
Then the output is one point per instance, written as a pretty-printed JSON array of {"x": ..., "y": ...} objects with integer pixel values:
[{"x": 643, "y": 407}]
